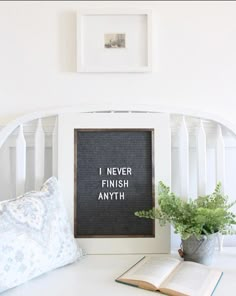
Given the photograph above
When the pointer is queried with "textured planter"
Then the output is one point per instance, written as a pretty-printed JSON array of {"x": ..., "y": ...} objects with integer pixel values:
[{"x": 200, "y": 251}]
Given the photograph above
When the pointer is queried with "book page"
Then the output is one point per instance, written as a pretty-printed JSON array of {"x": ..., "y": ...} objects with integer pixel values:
[
  {"x": 153, "y": 270},
  {"x": 191, "y": 279}
]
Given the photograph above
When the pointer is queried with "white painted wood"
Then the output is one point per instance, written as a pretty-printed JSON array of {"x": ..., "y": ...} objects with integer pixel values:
[
  {"x": 220, "y": 238},
  {"x": 39, "y": 155},
  {"x": 6, "y": 131},
  {"x": 184, "y": 159},
  {"x": 201, "y": 160},
  {"x": 160, "y": 124},
  {"x": 95, "y": 275},
  {"x": 220, "y": 170},
  {"x": 20, "y": 162},
  {"x": 163, "y": 150},
  {"x": 162, "y": 169},
  {"x": 55, "y": 149},
  {"x": 220, "y": 157},
  {"x": 7, "y": 184},
  {"x": 8, "y": 191}
]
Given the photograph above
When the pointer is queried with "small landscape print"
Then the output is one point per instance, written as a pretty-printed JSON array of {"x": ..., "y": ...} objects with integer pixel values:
[{"x": 114, "y": 40}]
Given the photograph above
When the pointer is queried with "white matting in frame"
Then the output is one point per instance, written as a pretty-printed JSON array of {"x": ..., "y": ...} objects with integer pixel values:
[{"x": 114, "y": 40}]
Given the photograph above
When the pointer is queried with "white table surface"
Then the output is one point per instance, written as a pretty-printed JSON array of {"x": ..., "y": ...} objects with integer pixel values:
[{"x": 96, "y": 274}]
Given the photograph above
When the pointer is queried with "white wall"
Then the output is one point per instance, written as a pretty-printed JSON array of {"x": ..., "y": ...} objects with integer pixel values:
[{"x": 194, "y": 61}]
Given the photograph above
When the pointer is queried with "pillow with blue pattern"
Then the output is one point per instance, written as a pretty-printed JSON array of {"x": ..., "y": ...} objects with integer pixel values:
[{"x": 35, "y": 235}]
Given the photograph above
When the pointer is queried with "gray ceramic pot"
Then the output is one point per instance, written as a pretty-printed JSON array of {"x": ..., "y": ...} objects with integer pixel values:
[{"x": 200, "y": 251}]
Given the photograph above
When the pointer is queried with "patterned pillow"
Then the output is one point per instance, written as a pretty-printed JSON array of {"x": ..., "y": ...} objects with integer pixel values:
[{"x": 35, "y": 235}]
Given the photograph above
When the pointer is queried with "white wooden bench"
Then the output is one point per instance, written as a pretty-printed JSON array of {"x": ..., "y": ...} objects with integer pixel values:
[
  {"x": 29, "y": 154},
  {"x": 26, "y": 142},
  {"x": 96, "y": 274}
]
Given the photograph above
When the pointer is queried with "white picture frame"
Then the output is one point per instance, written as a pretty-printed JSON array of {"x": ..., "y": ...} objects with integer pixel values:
[
  {"x": 128, "y": 31},
  {"x": 67, "y": 123}
]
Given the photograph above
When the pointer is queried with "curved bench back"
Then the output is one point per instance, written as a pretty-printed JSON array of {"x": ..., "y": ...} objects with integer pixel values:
[
  {"x": 28, "y": 151},
  {"x": 203, "y": 150}
]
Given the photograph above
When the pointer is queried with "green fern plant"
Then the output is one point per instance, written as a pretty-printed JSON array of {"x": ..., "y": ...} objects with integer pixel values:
[{"x": 204, "y": 215}]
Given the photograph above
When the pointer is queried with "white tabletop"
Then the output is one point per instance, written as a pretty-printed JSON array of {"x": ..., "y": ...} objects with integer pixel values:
[{"x": 96, "y": 274}]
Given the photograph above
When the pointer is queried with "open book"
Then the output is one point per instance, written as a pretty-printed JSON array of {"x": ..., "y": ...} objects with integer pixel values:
[{"x": 172, "y": 276}]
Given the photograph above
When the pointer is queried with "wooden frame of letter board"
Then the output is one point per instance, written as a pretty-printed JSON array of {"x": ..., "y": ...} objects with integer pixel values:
[
  {"x": 151, "y": 130},
  {"x": 160, "y": 122}
]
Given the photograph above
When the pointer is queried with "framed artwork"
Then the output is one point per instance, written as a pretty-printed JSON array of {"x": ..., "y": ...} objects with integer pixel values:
[
  {"x": 118, "y": 160},
  {"x": 111, "y": 40}
]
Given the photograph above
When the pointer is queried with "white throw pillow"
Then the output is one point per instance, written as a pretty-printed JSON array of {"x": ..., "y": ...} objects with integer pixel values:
[{"x": 35, "y": 235}]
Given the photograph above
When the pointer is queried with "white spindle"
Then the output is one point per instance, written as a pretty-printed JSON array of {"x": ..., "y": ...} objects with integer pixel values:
[
  {"x": 220, "y": 158},
  {"x": 6, "y": 184},
  {"x": 39, "y": 155},
  {"x": 163, "y": 142},
  {"x": 201, "y": 160},
  {"x": 184, "y": 159},
  {"x": 20, "y": 162},
  {"x": 55, "y": 149},
  {"x": 220, "y": 169}
]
